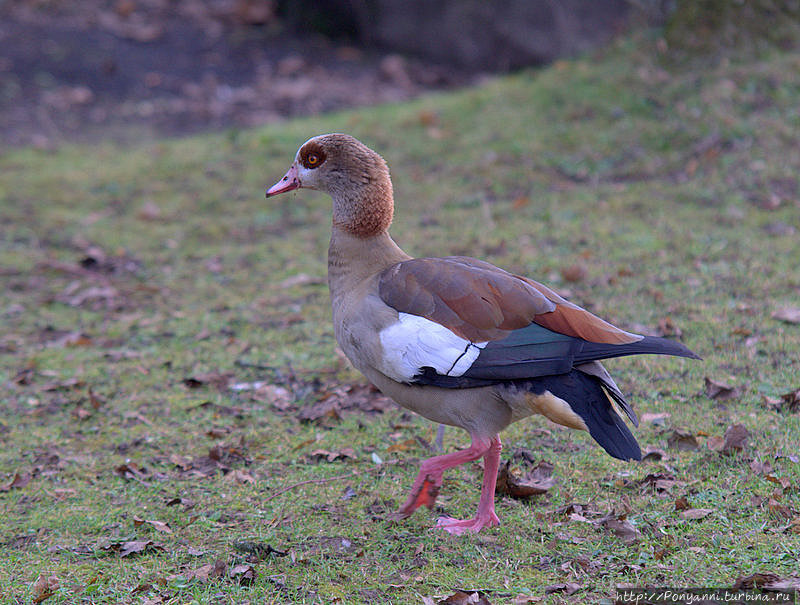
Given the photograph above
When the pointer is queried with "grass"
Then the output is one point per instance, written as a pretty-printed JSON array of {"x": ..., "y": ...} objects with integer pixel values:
[{"x": 670, "y": 193}]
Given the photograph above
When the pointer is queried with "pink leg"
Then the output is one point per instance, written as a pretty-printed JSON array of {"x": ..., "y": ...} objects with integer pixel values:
[
  {"x": 486, "y": 515},
  {"x": 429, "y": 480}
]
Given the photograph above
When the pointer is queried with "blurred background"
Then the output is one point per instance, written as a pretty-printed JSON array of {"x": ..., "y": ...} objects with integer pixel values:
[{"x": 132, "y": 69}]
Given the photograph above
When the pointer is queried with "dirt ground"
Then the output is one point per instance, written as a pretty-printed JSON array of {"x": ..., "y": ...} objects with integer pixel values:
[{"x": 138, "y": 69}]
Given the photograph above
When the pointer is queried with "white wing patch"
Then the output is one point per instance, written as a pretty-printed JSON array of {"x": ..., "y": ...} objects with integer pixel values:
[{"x": 415, "y": 342}]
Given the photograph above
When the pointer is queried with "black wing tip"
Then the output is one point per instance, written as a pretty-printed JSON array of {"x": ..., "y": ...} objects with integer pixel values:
[
  {"x": 619, "y": 444},
  {"x": 667, "y": 346},
  {"x": 628, "y": 454}
]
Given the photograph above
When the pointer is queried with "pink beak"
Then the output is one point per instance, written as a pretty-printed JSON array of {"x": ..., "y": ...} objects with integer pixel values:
[{"x": 287, "y": 183}]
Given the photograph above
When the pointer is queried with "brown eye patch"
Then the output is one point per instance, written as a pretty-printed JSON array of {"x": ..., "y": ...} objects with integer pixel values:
[{"x": 312, "y": 155}]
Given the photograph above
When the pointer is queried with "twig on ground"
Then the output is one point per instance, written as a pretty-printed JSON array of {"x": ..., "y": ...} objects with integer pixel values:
[{"x": 307, "y": 481}]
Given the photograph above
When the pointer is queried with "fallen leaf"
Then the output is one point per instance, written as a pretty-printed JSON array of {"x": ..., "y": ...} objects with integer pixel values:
[
  {"x": 787, "y": 314},
  {"x": 149, "y": 211},
  {"x": 63, "y": 385},
  {"x": 567, "y": 588},
  {"x": 462, "y": 597},
  {"x": 785, "y": 585},
  {"x": 534, "y": 483},
  {"x": 667, "y": 327},
  {"x": 276, "y": 396},
  {"x": 81, "y": 413},
  {"x": 794, "y": 526},
  {"x": 692, "y": 514},
  {"x": 719, "y": 390},
  {"x": 218, "y": 432},
  {"x": 343, "y": 454},
  {"x": 735, "y": 439},
  {"x": 756, "y": 580},
  {"x": 658, "y": 419},
  {"x": 779, "y": 510},
  {"x": 219, "y": 380},
  {"x": 243, "y": 573},
  {"x": 241, "y": 476},
  {"x": 206, "y": 572},
  {"x": 660, "y": 482},
  {"x": 132, "y": 547},
  {"x": 362, "y": 398},
  {"x": 157, "y": 525},
  {"x": 784, "y": 482},
  {"x": 95, "y": 400},
  {"x": 18, "y": 482},
  {"x": 654, "y": 454},
  {"x": 143, "y": 587},
  {"x": 131, "y": 470},
  {"x": 44, "y": 587},
  {"x": 790, "y": 402},
  {"x": 301, "y": 279},
  {"x": 760, "y": 468},
  {"x": 574, "y": 273},
  {"x": 523, "y": 599},
  {"x": 681, "y": 503},
  {"x": 623, "y": 529},
  {"x": 64, "y": 493},
  {"x": 682, "y": 441},
  {"x": 258, "y": 550},
  {"x": 320, "y": 411},
  {"x": 403, "y": 445}
]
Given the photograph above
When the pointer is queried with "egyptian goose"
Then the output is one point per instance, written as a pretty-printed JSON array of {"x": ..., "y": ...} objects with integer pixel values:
[{"x": 455, "y": 339}]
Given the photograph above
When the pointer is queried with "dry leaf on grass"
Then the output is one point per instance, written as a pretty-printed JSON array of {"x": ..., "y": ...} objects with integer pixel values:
[
  {"x": 683, "y": 441},
  {"x": 567, "y": 588},
  {"x": 534, "y": 483},
  {"x": 715, "y": 389},
  {"x": 17, "y": 482},
  {"x": 347, "y": 453},
  {"x": 660, "y": 482},
  {"x": 789, "y": 402},
  {"x": 221, "y": 410},
  {"x": 779, "y": 510},
  {"x": 756, "y": 580},
  {"x": 218, "y": 380},
  {"x": 157, "y": 525},
  {"x": 44, "y": 587},
  {"x": 621, "y": 528},
  {"x": 243, "y": 573},
  {"x": 788, "y": 314},
  {"x": 240, "y": 476},
  {"x": 256, "y": 551},
  {"x": 784, "y": 482},
  {"x": 462, "y": 597},
  {"x": 206, "y": 572},
  {"x": 760, "y": 467},
  {"x": 362, "y": 398},
  {"x": 131, "y": 470},
  {"x": 692, "y": 514},
  {"x": 321, "y": 411},
  {"x": 654, "y": 454},
  {"x": 132, "y": 547},
  {"x": 657, "y": 419},
  {"x": 735, "y": 439}
]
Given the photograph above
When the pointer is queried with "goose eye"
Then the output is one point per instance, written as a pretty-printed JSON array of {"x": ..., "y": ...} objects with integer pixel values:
[{"x": 313, "y": 157}]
